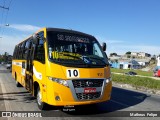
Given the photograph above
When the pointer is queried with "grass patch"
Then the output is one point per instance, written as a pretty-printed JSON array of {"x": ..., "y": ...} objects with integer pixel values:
[
  {"x": 139, "y": 72},
  {"x": 137, "y": 81}
]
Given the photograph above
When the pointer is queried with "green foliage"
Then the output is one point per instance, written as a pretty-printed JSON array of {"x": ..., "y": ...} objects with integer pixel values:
[
  {"x": 128, "y": 53},
  {"x": 139, "y": 72},
  {"x": 137, "y": 81},
  {"x": 111, "y": 54}
]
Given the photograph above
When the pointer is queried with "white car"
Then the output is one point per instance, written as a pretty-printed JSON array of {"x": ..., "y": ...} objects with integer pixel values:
[{"x": 9, "y": 65}]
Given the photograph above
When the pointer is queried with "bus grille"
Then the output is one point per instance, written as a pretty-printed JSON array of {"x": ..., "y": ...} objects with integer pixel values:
[
  {"x": 84, "y": 96},
  {"x": 80, "y": 84},
  {"x": 87, "y": 83}
]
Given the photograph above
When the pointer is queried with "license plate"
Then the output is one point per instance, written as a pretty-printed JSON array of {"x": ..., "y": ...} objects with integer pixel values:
[{"x": 89, "y": 90}]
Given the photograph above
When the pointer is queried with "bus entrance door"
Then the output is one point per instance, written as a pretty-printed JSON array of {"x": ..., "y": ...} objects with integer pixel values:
[{"x": 29, "y": 68}]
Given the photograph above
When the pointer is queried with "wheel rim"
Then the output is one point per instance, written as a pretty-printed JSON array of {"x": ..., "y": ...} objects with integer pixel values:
[{"x": 39, "y": 97}]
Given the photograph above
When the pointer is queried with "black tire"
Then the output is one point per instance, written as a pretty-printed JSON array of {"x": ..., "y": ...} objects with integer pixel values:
[
  {"x": 40, "y": 103},
  {"x": 17, "y": 83}
]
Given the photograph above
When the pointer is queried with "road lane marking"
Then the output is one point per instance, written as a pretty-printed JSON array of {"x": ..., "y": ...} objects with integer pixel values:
[
  {"x": 6, "y": 103},
  {"x": 3, "y": 97},
  {"x": 121, "y": 103}
]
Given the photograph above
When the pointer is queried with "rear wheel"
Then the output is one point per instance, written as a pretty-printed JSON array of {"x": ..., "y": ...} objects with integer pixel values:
[{"x": 41, "y": 105}]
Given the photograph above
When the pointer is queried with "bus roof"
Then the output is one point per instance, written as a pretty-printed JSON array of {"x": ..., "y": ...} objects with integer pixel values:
[
  {"x": 58, "y": 30},
  {"x": 68, "y": 30}
]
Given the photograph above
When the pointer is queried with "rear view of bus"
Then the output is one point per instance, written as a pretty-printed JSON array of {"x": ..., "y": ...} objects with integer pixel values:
[{"x": 64, "y": 67}]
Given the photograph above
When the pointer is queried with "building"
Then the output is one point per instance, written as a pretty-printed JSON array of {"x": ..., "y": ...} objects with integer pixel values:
[
  {"x": 158, "y": 60},
  {"x": 126, "y": 64},
  {"x": 137, "y": 60},
  {"x": 134, "y": 53},
  {"x": 140, "y": 54},
  {"x": 114, "y": 64}
]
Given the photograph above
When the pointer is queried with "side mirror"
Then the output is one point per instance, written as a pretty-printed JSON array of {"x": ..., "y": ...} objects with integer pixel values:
[
  {"x": 104, "y": 46},
  {"x": 35, "y": 38}
]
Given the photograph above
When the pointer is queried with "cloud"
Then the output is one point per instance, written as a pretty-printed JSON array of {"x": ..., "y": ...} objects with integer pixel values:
[
  {"x": 122, "y": 46},
  {"x": 15, "y": 35},
  {"x": 122, "y": 49},
  {"x": 109, "y": 41},
  {"x": 7, "y": 43},
  {"x": 114, "y": 41},
  {"x": 24, "y": 27}
]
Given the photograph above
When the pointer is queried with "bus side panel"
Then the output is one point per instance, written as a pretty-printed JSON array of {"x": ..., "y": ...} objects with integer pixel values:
[
  {"x": 39, "y": 75},
  {"x": 23, "y": 73},
  {"x": 17, "y": 70}
]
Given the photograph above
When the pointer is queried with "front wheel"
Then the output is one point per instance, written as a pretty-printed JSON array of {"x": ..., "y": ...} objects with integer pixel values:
[{"x": 41, "y": 105}]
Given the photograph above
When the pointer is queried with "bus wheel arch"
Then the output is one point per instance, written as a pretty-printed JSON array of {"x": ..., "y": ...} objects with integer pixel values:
[
  {"x": 36, "y": 85},
  {"x": 38, "y": 94}
]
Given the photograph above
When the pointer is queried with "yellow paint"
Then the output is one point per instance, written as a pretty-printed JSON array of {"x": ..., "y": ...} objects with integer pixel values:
[
  {"x": 52, "y": 89},
  {"x": 65, "y": 55}
]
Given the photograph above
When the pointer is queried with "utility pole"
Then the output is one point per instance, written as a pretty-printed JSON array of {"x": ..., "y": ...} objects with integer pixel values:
[{"x": 4, "y": 7}]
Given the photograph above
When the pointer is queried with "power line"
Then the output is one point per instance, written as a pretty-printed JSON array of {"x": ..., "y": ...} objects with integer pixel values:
[
  {"x": 2, "y": 17},
  {"x": 7, "y": 8},
  {"x": 5, "y": 21}
]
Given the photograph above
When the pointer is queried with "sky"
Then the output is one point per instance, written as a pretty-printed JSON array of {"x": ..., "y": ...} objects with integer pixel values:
[{"x": 125, "y": 25}]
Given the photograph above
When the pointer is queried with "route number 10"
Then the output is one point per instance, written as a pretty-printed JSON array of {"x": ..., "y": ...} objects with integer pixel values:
[{"x": 72, "y": 73}]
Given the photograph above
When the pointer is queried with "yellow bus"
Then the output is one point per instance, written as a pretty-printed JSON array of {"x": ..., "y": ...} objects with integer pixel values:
[{"x": 62, "y": 67}]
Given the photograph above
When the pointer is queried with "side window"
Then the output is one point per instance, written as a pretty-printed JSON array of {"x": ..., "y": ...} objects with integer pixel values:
[
  {"x": 26, "y": 48},
  {"x": 23, "y": 49},
  {"x": 96, "y": 50},
  {"x": 19, "y": 52},
  {"x": 40, "y": 52},
  {"x": 15, "y": 52}
]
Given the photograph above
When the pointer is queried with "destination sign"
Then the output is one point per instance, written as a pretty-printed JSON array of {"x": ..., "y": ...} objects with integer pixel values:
[{"x": 72, "y": 38}]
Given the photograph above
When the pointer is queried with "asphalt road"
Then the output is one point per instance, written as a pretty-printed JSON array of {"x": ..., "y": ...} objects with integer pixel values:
[{"x": 122, "y": 103}]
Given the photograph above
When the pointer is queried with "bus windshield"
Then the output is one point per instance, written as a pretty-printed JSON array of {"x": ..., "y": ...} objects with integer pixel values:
[{"x": 75, "y": 49}]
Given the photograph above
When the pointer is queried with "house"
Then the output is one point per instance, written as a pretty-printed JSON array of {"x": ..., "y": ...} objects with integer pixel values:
[
  {"x": 143, "y": 62},
  {"x": 134, "y": 64},
  {"x": 143, "y": 54},
  {"x": 140, "y": 54},
  {"x": 158, "y": 60},
  {"x": 129, "y": 64},
  {"x": 126, "y": 64},
  {"x": 134, "y": 53},
  {"x": 114, "y": 64}
]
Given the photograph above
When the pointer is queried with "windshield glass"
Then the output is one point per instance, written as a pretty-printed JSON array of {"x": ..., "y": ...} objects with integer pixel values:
[{"x": 75, "y": 49}]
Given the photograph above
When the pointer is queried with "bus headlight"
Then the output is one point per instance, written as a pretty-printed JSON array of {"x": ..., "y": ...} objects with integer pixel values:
[
  {"x": 108, "y": 80},
  {"x": 60, "y": 81}
]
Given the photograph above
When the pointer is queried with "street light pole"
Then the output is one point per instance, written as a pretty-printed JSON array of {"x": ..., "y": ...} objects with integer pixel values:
[{"x": 7, "y": 25}]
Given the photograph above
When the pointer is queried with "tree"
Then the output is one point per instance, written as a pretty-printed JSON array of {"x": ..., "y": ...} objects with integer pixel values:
[
  {"x": 128, "y": 53},
  {"x": 5, "y": 56},
  {"x": 128, "y": 56},
  {"x": 111, "y": 54}
]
